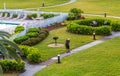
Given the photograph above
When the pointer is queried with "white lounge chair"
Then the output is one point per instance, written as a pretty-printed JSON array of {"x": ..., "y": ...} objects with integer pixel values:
[
  {"x": 5, "y": 16},
  {"x": 18, "y": 17},
  {"x": 1, "y": 14},
  {"x": 24, "y": 17},
  {"x": 11, "y": 16}
]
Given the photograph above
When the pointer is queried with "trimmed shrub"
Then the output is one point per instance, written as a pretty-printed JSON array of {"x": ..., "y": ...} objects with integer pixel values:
[
  {"x": 31, "y": 53},
  {"x": 19, "y": 40},
  {"x": 80, "y": 29},
  {"x": 12, "y": 65},
  {"x": 31, "y": 41},
  {"x": 87, "y": 22},
  {"x": 47, "y": 15},
  {"x": 85, "y": 27},
  {"x": 115, "y": 25},
  {"x": 32, "y": 34},
  {"x": 15, "y": 15},
  {"x": 19, "y": 29},
  {"x": 32, "y": 15},
  {"x": 23, "y": 49},
  {"x": 103, "y": 30},
  {"x": 33, "y": 30},
  {"x": 34, "y": 56}
]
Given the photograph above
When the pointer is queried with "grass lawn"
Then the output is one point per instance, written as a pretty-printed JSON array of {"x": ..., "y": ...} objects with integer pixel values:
[
  {"x": 76, "y": 41},
  {"x": 111, "y": 7},
  {"x": 29, "y": 3},
  {"x": 100, "y": 60}
]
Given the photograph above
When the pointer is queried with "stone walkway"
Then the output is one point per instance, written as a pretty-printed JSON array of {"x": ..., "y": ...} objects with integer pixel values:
[{"x": 32, "y": 69}]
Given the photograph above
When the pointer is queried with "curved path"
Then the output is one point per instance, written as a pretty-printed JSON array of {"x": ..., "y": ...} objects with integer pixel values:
[{"x": 71, "y": 1}]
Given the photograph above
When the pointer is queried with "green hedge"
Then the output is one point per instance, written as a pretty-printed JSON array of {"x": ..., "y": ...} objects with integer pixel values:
[
  {"x": 103, "y": 30},
  {"x": 100, "y": 21},
  {"x": 88, "y": 30},
  {"x": 21, "y": 39},
  {"x": 19, "y": 29},
  {"x": 31, "y": 53},
  {"x": 103, "y": 27},
  {"x": 33, "y": 30},
  {"x": 115, "y": 25},
  {"x": 33, "y": 36},
  {"x": 12, "y": 65},
  {"x": 44, "y": 15},
  {"x": 32, "y": 41},
  {"x": 47, "y": 15}
]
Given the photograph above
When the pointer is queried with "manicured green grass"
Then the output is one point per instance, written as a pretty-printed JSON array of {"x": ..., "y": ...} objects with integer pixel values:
[
  {"x": 111, "y": 7},
  {"x": 29, "y": 3},
  {"x": 76, "y": 41},
  {"x": 100, "y": 60}
]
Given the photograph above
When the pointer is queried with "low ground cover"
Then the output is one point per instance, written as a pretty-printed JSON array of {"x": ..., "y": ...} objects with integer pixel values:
[{"x": 102, "y": 59}]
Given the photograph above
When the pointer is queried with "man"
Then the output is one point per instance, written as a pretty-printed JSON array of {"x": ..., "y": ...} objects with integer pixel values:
[{"x": 67, "y": 45}]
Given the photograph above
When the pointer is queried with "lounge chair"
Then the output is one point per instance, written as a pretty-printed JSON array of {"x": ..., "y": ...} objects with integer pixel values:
[
  {"x": 24, "y": 17},
  {"x": 1, "y": 14},
  {"x": 38, "y": 17},
  {"x": 5, "y": 16},
  {"x": 11, "y": 16},
  {"x": 18, "y": 17}
]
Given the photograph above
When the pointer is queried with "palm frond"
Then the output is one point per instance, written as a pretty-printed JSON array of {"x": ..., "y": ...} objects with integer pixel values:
[
  {"x": 4, "y": 51},
  {"x": 3, "y": 33}
]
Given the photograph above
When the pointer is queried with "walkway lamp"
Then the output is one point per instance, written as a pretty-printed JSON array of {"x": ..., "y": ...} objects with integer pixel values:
[
  {"x": 94, "y": 36},
  {"x": 105, "y": 14},
  {"x": 59, "y": 58},
  {"x": 43, "y": 3}
]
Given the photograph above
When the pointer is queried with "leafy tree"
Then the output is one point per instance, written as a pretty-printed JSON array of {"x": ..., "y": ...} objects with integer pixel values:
[
  {"x": 75, "y": 13},
  {"x": 8, "y": 48}
]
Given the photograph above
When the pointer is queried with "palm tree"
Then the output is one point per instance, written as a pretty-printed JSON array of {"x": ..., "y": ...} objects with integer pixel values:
[{"x": 8, "y": 48}]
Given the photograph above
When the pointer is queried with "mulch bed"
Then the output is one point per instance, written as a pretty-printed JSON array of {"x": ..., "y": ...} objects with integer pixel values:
[{"x": 52, "y": 27}]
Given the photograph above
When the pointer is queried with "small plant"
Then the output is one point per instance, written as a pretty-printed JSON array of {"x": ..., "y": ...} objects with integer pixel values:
[
  {"x": 55, "y": 38},
  {"x": 74, "y": 14},
  {"x": 31, "y": 53},
  {"x": 12, "y": 65},
  {"x": 33, "y": 30},
  {"x": 19, "y": 29}
]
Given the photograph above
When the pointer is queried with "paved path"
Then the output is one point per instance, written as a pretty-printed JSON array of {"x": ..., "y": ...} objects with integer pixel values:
[
  {"x": 71, "y": 1},
  {"x": 32, "y": 69}
]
